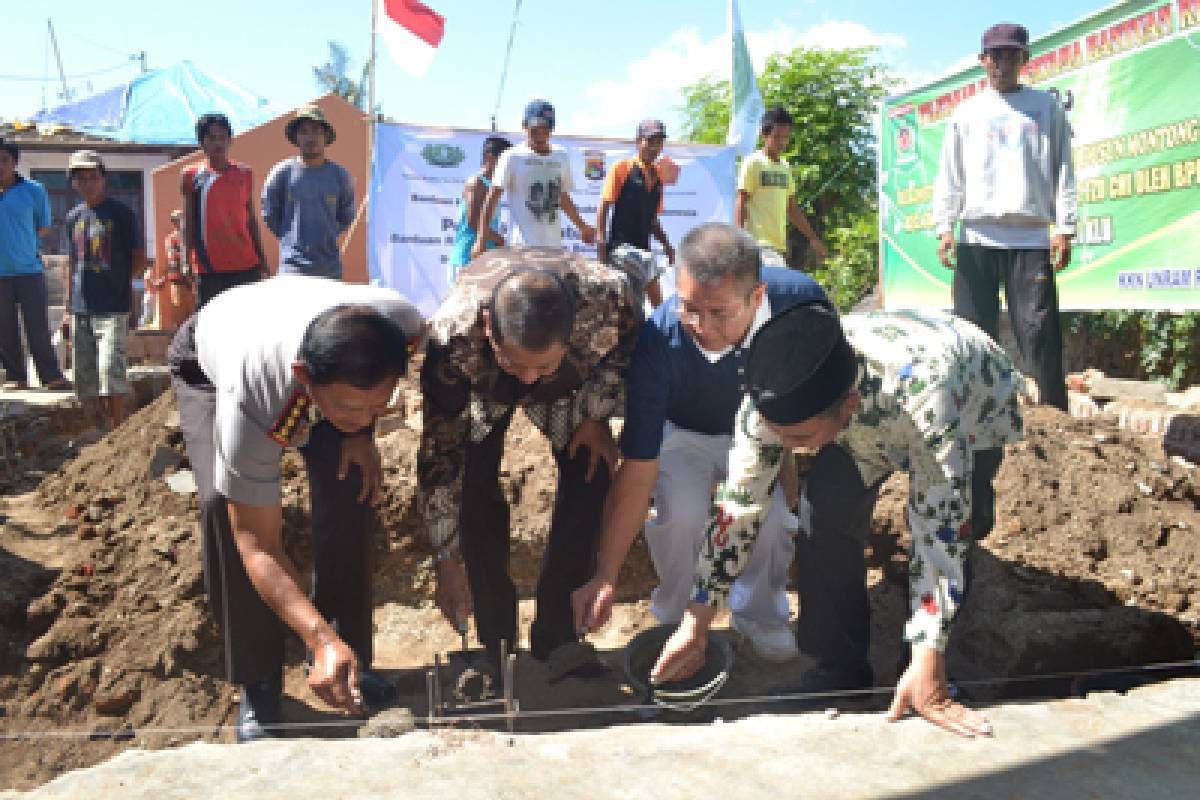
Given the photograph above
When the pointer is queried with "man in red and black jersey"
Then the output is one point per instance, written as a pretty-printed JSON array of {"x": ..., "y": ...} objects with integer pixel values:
[
  {"x": 634, "y": 193},
  {"x": 220, "y": 229}
]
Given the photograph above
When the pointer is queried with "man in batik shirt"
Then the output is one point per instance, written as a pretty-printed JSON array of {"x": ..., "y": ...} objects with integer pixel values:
[
  {"x": 926, "y": 394},
  {"x": 550, "y": 332}
]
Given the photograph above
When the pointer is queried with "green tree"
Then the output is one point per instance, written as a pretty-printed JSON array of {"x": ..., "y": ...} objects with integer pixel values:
[
  {"x": 333, "y": 76},
  {"x": 834, "y": 96}
]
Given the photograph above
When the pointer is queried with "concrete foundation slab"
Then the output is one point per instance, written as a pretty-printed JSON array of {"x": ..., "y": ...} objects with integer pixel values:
[{"x": 1142, "y": 745}]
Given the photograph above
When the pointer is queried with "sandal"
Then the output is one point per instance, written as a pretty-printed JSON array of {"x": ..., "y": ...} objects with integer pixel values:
[{"x": 59, "y": 385}]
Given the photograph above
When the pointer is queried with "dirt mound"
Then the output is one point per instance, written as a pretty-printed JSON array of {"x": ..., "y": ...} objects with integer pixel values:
[
  {"x": 122, "y": 637},
  {"x": 1094, "y": 561},
  {"x": 103, "y": 624},
  {"x": 1087, "y": 499},
  {"x": 118, "y": 639}
]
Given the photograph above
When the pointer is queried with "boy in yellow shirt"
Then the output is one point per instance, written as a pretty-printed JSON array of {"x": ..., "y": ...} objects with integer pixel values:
[{"x": 765, "y": 200}]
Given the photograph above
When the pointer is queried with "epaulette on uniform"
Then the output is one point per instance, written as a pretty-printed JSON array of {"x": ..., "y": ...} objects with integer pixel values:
[{"x": 299, "y": 409}]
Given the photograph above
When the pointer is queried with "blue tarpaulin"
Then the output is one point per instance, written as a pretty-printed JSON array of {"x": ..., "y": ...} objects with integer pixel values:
[{"x": 161, "y": 107}]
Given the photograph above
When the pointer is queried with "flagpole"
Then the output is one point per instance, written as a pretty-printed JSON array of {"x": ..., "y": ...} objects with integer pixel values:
[
  {"x": 371, "y": 75},
  {"x": 370, "y": 131}
]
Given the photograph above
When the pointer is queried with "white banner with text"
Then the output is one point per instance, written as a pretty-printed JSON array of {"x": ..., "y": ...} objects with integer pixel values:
[{"x": 418, "y": 176}]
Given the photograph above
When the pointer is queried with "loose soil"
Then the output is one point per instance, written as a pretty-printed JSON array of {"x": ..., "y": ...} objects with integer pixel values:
[{"x": 104, "y": 628}]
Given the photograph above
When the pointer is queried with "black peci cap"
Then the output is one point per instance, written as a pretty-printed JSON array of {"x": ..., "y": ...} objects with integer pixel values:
[{"x": 799, "y": 364}]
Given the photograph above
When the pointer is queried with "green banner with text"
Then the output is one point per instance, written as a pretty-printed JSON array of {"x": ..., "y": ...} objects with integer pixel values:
[{"x": 1129, "y": 77}]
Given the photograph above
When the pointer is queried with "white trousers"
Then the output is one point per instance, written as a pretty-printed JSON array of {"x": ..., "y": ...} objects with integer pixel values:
[{"x": 689, "y": 464}]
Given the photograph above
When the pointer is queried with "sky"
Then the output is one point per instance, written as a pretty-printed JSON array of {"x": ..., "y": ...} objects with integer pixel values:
[{"x": 603, "y": 65}]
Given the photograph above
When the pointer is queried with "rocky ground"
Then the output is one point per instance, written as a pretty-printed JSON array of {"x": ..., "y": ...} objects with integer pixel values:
[{"x": 104, "y": 631}]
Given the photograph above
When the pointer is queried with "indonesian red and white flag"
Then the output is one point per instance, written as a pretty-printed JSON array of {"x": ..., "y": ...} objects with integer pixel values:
[{"x": 411, "y": 31}]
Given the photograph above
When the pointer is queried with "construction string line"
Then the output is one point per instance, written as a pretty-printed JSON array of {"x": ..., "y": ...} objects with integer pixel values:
[{"x": 127, "y": 733}]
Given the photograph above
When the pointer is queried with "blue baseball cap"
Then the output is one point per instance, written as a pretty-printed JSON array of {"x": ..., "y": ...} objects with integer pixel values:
[{"x": 538, "y": 112}]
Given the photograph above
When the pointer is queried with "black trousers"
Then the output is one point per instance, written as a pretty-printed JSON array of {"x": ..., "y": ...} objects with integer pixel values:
[
  {"x": 835, "y": 613},
  {"x": 570, "y": 553},
  {"x": 211, "y": 284},
  {"x": 342, "y": 534},
  {"x": 1032, "y": 298}
]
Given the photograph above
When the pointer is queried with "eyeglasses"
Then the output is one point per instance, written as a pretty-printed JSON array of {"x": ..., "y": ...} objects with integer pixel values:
[{"x": 717, "y": 317}]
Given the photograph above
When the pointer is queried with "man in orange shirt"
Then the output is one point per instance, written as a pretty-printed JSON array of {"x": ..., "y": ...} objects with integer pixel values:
[
  {"x": 633, "y": 192},
  {"x": 220, "y": 231}
]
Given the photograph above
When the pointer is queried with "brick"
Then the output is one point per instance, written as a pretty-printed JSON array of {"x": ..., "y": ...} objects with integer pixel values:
[
  {"x": 1141, "y": 417},
  {"x": 115, "y": 701},
  {"x": 1081, "y": 406},
  {"x": 149, "y": 346},
  {"x": 1189, "y": 398},
  {"x": 1122, "y": 389}
]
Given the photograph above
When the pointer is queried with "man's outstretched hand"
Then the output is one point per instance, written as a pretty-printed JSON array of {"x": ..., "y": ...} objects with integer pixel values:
[
  {"x": 924, "y": 690},
  {"x": 945, "y": 250},
  {"x": 334, "y": 674},
  {"x": 683, "y": 654},
  {"x": 1060, "y": 251},
  {"x": 592, "y": 604}
]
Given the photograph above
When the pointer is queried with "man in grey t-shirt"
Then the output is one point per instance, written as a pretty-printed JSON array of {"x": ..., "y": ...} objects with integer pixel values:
[
  {"x": 316, "y": 367},
  {"x": 308, "y": 200}
]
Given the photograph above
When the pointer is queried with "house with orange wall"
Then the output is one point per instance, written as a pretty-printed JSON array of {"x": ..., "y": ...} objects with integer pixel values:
[{"x": 261, "y": 148}]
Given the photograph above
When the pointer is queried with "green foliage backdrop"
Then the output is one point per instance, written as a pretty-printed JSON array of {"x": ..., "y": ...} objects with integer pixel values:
[{"x": 834, "y": 96}]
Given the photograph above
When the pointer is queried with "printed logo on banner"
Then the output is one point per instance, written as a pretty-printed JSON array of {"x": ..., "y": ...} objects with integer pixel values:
[
  {"x": 593, "y": 165},
  {"x": 905, "y": 140},
  {"x": 906, "y": 143},
  {"x": 443, "y": 155},
  {"x": 903, "y": 123}
]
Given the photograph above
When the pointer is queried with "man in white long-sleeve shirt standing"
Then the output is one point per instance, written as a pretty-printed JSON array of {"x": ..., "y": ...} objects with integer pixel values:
[{"x": 1006, "y": 176}]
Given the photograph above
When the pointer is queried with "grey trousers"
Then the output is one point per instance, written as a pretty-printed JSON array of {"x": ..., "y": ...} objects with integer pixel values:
[
  {"x": 26, "y": 294},
  {"x": 342, "y": 536}
]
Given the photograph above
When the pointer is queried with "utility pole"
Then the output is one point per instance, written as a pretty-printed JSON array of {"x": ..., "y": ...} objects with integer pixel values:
[
  {"x": 512, "y": 34},
  {"x": 66, "y": 93}
]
